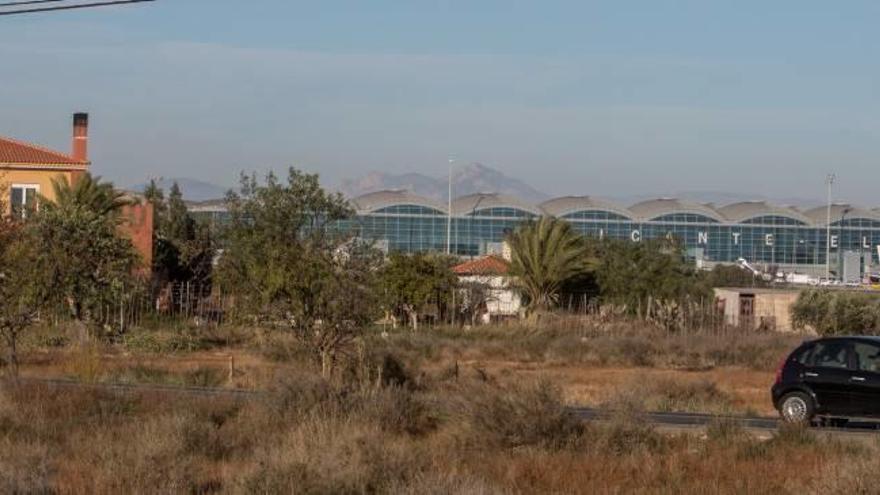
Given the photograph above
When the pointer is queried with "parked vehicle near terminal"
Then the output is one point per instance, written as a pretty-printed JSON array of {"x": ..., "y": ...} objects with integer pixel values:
[{"x": 831, "y": 378}]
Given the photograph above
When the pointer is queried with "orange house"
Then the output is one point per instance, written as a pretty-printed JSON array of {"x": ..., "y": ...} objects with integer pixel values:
[{"x": 27, "y": 171}]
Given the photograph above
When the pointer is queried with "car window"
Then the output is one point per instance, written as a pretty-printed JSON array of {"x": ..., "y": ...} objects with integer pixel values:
[
  {"x": 867, "y": 356},
  {"x": 802, "y": 355},
  {"x": 829, "y": 354}
]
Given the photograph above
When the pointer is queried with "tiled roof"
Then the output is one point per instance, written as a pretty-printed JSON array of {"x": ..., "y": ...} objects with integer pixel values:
[
  {"x": 487, "y": 265},
  {"x": 14, "y": 152}
]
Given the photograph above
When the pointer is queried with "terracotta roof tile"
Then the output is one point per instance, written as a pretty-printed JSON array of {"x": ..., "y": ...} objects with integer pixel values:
[
  {"x": 13, "y": 152},
  {"x": 487, "y": 265}
]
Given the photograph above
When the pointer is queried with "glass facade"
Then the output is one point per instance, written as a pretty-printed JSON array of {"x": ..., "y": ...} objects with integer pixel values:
[
  {"x": 764, "y": 237},
  {"x": 771, "y": 239}
]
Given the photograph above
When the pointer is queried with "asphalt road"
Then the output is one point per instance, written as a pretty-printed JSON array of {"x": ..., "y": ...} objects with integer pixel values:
[
  {"x": 672, "y": 421},
  {"x": 758, "y": 424}
]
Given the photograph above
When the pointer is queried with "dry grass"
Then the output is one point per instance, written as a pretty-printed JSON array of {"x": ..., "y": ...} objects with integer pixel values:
[
  {"x": 619, "y": 344},
  {"x": 462, "y": 436},
  {"x": 452, "y": 412}
]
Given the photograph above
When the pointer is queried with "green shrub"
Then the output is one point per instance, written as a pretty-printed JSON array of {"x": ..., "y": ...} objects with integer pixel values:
[{"x": 837, "y": 312}]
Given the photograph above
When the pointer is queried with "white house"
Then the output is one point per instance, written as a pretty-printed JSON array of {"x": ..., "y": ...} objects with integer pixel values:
[{"x": 494, "y": 298}]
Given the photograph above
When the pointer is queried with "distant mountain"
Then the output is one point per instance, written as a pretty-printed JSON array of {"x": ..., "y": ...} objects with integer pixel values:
[
  {"x": 192, "y": 189},
  {"x": 469, "y": 179}
]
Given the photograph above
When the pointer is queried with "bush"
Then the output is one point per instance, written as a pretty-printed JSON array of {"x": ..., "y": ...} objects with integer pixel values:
[
  {"x": 837, "y": 312},
  {"x": 668, "y": 395},
  {"x": 393, "y": 409},
  {"x": 725, "y": 431},
  {"x": 326, "y": 454},
  {"x": 626, "y": 434},
  {"x": 521, "y": 415}
]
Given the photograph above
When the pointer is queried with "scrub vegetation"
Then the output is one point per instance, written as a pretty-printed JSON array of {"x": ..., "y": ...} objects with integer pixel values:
[
  {"x": 384, "y": 425},
  {"x": 343, "y": 398}
]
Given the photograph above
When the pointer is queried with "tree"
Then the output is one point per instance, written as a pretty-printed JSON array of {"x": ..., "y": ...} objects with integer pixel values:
[
  {"x": 178, "y": 225},
  {"x": 89, "y": 193},
  {"x": 183, "y": 250},
  {"x": 87, "y": 263},
  {"x": 287, "y": 265},
  {"x": 733, "y": 276},
  {"x": 412, "y": 281},
  {"x": 23, "y": 290},
  {"x": 545, "y": 254},
  {"x": 635, "y": 274},
  {"x": 154, "y": 195},
  {"x": 836, "y": 312}
]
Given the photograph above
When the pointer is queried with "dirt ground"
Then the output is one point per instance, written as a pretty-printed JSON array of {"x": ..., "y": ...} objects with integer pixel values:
[{"x": 746, "y": 390}]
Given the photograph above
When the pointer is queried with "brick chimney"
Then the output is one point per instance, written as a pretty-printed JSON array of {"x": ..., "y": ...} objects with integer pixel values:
[{"x": 81, "y": 137}]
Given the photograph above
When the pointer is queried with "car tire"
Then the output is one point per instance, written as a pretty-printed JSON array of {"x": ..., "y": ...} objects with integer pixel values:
[{"x": 797, "y": 408}]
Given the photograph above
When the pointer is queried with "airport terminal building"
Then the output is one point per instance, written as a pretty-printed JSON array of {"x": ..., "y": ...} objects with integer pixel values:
[{"x": 758, "y": 232}]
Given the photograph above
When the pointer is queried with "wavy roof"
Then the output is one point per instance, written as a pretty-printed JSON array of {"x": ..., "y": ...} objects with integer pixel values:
[
  {"x": 740, "y": 212},
  {"x": 572, "y": 204},
  {"x": 653, "y": 208},
  {"x": 643, "y": 211},
  {"x": 382, "y": 199},
  {"x": 466, "y": 205},
  {"x": 819, "y": 215}
]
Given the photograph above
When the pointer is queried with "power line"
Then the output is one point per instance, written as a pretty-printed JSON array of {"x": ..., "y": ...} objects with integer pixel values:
[
  {"x": 28, "y": 2},
  {"x": 69, "y": 7}
]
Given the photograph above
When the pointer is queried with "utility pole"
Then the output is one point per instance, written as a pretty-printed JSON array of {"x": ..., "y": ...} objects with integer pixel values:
[
  {"x": 829, "y": 181},
  {"x": 449, "y": 209}
]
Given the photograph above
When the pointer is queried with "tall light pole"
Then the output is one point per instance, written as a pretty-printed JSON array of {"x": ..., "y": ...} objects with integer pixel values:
[
  {"x": 829, "y": 181},
  {"x": 449, "y": 209},
  {"x": 840, "y": 243}
]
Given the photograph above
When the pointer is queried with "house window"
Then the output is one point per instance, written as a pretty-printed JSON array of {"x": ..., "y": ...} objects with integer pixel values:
[{"x": 23, "y": 199}]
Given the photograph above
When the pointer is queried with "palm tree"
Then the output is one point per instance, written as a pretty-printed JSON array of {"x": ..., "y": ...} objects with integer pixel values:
[
  {"x": 544, "y": 255},
  {"x": 89, "y": 193}
]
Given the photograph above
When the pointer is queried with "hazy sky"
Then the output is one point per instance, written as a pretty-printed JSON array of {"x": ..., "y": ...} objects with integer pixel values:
[{"x": 608, "y": 98}]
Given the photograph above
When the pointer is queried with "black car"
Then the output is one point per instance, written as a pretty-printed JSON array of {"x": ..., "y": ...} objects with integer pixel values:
[{"x": 835, "y": 377}]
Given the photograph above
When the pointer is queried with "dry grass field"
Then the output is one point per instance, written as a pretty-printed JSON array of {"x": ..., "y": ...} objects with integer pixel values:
[{"x": 439, "y": 411}]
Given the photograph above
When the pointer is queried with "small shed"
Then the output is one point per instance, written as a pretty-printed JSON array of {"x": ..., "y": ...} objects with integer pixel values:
[{"x": 757, "y": 308}]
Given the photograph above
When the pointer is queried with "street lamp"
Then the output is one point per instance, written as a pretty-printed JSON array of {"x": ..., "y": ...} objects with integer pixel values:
[
  {"x": 840, "y": 243},
  {"x": 829, "y": 181}
]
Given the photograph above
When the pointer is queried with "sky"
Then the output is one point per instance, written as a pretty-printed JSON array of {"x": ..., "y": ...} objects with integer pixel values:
[{"x": 613, "y": 98}]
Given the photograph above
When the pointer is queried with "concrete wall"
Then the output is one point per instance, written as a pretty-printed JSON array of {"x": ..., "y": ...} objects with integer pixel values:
[
  {"x": 39, "y": 177},
  {"x": 503, "y": 301},
  {"x": 776, "y": 305},
  {"x": 772, "y": 307},
  {"x": 730, "y": 299}
]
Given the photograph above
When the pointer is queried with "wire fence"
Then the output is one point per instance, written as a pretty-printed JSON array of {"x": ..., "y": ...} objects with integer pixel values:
[
  {"x": 205, "y": 305},
  {"x": 174, "y": 303}
]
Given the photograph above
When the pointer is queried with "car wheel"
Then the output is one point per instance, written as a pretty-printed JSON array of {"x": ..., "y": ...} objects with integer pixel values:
[{"x": 796, "y": 408}]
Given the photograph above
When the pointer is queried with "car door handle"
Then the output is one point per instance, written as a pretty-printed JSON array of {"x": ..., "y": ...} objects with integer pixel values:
[
  {"x": 808, "y": 373},
  {"x": 857, "y": 379}
]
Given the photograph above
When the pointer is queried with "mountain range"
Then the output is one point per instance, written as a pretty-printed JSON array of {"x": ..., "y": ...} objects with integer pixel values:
[{"x": 470, "y": 179}]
